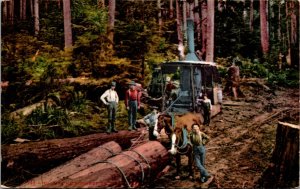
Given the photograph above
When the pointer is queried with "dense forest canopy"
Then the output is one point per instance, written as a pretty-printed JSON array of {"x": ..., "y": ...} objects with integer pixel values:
[{"x": 45, "y": 44}]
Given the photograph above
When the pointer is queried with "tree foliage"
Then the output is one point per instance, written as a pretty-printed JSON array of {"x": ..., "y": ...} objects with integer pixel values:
[{"x": 33, "y": 64}]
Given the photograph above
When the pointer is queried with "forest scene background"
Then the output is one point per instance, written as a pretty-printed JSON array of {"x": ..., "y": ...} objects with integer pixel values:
[{"x": 59, "y": 56}]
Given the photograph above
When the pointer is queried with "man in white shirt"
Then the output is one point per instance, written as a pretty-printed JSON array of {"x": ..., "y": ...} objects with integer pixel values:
[{"x": 111, "y": 99}]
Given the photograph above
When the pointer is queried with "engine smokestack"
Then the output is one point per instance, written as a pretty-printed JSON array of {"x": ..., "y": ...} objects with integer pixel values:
[{"x": 191, "y": 45}]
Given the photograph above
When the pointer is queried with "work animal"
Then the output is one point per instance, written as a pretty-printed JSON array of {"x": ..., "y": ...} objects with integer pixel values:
[{"x": 177, "y": 128}]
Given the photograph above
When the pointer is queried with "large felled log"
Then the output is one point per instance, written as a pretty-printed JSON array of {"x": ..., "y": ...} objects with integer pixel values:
[
  {"x": 39, "y": 157},
  {"x": 75, "y": 165},
  {"x": 127, "y": 169},
  {"x": 284, "y": 169}
]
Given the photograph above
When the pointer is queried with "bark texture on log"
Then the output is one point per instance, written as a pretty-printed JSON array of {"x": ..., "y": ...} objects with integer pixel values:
[
  {"x": 79, "y": 163},
  {"x": 127, "y": 169},
  {"x": 284, "y": 169},
  {"x": 38, "y": 157}
]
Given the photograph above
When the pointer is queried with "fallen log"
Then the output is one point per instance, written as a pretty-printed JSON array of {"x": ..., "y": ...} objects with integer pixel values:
[
  {"x": 127, "y": 169},
  {"x": 18, "y": 160},
  {"x": 75, "y": 165},
  {"x": 234, "y": 103}
]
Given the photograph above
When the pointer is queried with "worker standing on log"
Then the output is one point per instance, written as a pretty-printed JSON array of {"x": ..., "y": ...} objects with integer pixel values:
[
  {"x": 111, "y": 99},
  {"x": 132, "y": 102},
  {"x": 198, "y": 140}
]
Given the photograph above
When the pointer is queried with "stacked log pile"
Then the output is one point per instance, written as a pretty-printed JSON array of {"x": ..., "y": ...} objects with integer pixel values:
[
  {"x": 126, "y": 169},
  {"x": 73, "y": 166},
  {"x": 39, "y": 157}
]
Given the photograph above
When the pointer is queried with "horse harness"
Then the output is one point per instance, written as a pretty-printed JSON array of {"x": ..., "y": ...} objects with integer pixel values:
[{"x": 184, "y": 135}]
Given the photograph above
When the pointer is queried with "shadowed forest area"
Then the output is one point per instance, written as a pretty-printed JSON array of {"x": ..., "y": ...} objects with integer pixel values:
[{"x": 58, "y": 57}]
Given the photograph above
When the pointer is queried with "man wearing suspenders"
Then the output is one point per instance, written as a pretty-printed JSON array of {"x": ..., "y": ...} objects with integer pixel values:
[
  {"x": 132, "y": 102},
  {"x": 111, "y": 99}
]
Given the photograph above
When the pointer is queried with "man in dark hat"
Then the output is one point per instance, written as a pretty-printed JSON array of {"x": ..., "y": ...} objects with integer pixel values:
[
  {"x": 132, "y": 102},
  {"x": 111, "y": 99}
]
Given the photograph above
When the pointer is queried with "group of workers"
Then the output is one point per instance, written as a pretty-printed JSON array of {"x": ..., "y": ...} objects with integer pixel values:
[{"x": 132, "y": 101}]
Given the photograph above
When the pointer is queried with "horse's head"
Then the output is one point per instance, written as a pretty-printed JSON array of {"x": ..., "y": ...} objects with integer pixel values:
[{"x": 164, "y": 121}]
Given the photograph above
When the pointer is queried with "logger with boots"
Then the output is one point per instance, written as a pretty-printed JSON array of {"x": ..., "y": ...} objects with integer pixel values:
[
  {"x": 198, "y": 140},
  {"x": 207, "y": 107},
  {"x": 111, "y": 99},
  {"x": 132, "y": 102}
]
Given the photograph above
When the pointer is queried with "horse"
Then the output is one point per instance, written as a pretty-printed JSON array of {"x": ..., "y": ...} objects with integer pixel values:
[{"x": 177, "y": 128}]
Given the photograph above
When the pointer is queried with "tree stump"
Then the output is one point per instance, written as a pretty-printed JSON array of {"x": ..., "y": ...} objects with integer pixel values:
[
  {"x": 75, "y": 165},
  {"x": 284, "y": 169}
]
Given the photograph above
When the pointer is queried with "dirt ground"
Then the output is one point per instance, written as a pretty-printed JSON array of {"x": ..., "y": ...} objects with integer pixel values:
[{"x": 242, "y": 139}]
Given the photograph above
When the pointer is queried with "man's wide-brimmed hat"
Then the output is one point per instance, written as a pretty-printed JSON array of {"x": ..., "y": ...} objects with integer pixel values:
[
  {"x": 131, "y": 83},
  {"x": 113, "y": 84}
]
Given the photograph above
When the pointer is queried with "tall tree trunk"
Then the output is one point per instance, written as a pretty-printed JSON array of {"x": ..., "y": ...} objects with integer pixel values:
[
  {"x": 288, "y": 56},
  {"x": 197, "y": 22},
  {"x": 31, "y": 8},
  {"x": 244, "y": 11},
  {"x": 171, "y": 10},
  {"x": 59, "y": 3},
  {"x": 191, "y": 10},
  {"x": 111, "y": 21},
  {"x": 179, "y": 31},
  {"x": 264, "y": 26},
  {"x": 12, "y": 11},
  {"x": 184, "y": 23},
  {"x": 293, "y": 23},
  {"x": 4, "y": 9},
  {"x": 159, "y": 16},
  {"x": 294, "y": 33},
  {"x": 67, "y": 23},
  {"x": 21, "y": 9},
  {"x": 46, "y": 5},
  {"x": 188, "y": 10},
  {"x": 251, "y": 16},
  {"x": 210, "y": 31},
  {"x": 279, "y": 22},
  {"x": 203, "y": 26},
  {"x": 36, "y": 17},
  {"x": 24, "y": 9}
]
